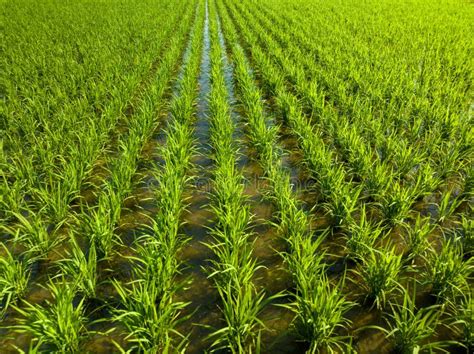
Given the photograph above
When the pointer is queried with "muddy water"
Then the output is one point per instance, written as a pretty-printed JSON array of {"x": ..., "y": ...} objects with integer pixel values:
[
  {"x": 199, "y": 292},
  {"x": 238, "y": 135}
]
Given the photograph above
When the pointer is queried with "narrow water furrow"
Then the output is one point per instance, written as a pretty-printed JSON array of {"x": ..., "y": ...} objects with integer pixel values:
[{"x": 202, "y": 310}]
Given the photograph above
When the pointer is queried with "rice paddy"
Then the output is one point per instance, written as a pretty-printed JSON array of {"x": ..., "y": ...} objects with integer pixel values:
[{"x": 255, "y": 176}]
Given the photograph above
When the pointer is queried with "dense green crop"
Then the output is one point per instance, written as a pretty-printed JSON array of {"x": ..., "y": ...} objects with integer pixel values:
[{"x": 255, "y": 176}]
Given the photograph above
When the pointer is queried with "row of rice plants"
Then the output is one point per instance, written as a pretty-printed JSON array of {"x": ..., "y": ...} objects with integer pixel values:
[
  {"x": 57, "y": 154},
  {"x": 78, "y": 275},
  {"x": 33, "y": 234},
  {"x": 319, "y": 305},
  {"x": 395, "y": 205},
  {"x": 234, "y": 267},
  {"x": 399, "y": 159},
  {"x": 389, "y": 278},
  {"x": 391, "y": 214},
  {"x": 149, "y": 311}
]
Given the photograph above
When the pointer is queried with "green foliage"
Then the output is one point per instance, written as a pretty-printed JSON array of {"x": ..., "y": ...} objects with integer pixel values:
[
  {"x": 380, "y": 272},
  {"x": 60, "y": 323},
  {"x": 464, "y": 319},
  {"x": 409, "y": 326},
  {"x": 80, "y": 267},
  {"x": 416, "y": 236},
  {"x": 320, "y": 310},
  {"x": 149, "y": 316},
  {"x": 322, "y": 93},
  {"x": 14, "y": 277},
  {"x": 362, "y": 236},
  {"x": 447, "y": 271}
]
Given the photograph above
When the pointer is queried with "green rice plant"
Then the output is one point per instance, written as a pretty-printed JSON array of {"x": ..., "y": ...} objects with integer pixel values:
[
  {"x": 427, "y": 179},
  {"x": 468, "y": 182},
  {"x": 416, "y": 236},
  {"x": 294, "y": 225},
  {"x": 11, "y": 196},
  {"x": 14, "y": 277},
  {"x": 409, "y": 326},
  {"x": 59, "y": 325},
  {"x": 343, "y": 202},
  {"x": 319, "y": 306},
  {"x": 466, "y": 235},
  {"x": 155, "y": 261},
  {"x": 362, "y": 236},
  {"x": 463, "y": 320},
  {"x": 234, "y": 259},
  {"x": 330, "y": 179},
  {"x": 396, "y": 202},
  {"x": 447, "y": 207},
  {"x": 306, "y": 257},
  {"x": 80, "y": 267},
  {"x": 242, "y": 305},
  {"x": 55, "y": 199},
  {"x": 320, "y": 310},
  {"x": 379, "y": 271},
  {"x": 32, "y": 232},
  {"x": 447, "y": 272},
  {"x": 406, "y": 157},
  {"x": 99, "y": 224},
  {"x": 124, "y": 167},
  {"x": 150, "y": 316},
  {"x": 447, "y": 160}
]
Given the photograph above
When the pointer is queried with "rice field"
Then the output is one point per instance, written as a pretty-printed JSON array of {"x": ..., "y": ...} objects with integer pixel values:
[{"x": 220, "y": 176}]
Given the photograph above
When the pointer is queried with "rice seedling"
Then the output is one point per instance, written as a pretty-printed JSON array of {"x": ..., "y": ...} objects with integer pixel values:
[
  {"x": 320, "y": 310},
  {"x": 416, "y": 236},
  {"x": 396, "y": 202},
  {"x": 14, "y": 278},
  {"x": 150, "y": 316},
  {"x": 11, "y": 197},
  {"x": 406, "y": 158},
  {"x": 447, "y": 206},
  {"x": 380, "y": 272},
  {"x": 155, "y": 261},
  {"x": 428, "y": 180},
  {"x": 56, "y": 197},
  {"x": 409, "y": 326},
  {"x": 463, "y": 320},
  {"x": 343, "y": 203},
  {"x": 60, "y": 324},
  {"x": 466, "y": 235},
  {"x": 80, "y": 267},
  {"x": 468, "y": 182},
  {"x": 447, "y": 271},
  {"x": 447, "y": 160},
  {"x": 34, "y": 234},
  {"x": 362, "y": 236},
  {"x": 242, "y": 305},
  {"x": 100, "y": 223}
]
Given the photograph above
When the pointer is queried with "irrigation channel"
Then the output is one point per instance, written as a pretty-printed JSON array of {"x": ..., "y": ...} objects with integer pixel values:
[{"x": 241, "y": 201}]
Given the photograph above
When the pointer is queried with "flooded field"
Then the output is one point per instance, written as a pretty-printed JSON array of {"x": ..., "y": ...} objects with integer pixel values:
[{"x": 236, "y": 177}]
